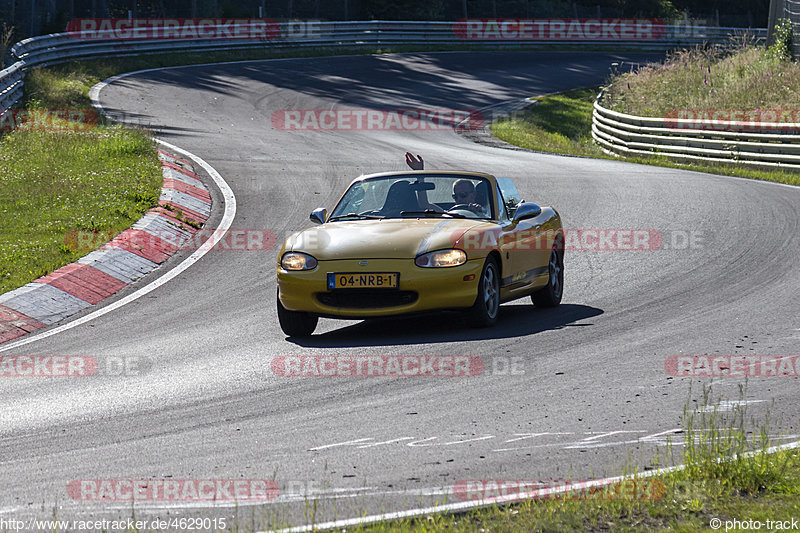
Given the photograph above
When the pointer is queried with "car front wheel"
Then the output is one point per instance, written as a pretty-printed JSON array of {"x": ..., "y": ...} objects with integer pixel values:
[
  {"x": 296, "y": 323},
  {"x": 550, "y": 294},
  {"x": 487, "y": 304}
]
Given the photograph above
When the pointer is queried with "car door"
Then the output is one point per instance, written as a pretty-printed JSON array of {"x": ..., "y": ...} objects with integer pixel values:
[
  {"x": 509, "y": 243},
  {"x": 530, "y": 251}
]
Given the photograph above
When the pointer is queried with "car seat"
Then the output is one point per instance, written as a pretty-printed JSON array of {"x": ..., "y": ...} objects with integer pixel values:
[{"x": 400, "y": 197}]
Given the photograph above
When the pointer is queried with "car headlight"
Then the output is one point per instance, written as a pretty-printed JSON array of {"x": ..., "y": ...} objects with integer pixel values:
[
  {"x": 441, "y": 258},
  {"x": 298, "y": 261}
]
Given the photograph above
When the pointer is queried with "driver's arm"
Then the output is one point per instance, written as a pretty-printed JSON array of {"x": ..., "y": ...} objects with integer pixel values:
[{"x": 417, "y": 163}]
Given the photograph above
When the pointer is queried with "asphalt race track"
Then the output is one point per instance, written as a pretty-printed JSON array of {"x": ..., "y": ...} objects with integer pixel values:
[{"x": 588, "y": 394}]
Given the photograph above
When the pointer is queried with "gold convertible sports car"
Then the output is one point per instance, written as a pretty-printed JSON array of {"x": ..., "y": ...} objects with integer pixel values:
[{"x": 407, "y": 242}]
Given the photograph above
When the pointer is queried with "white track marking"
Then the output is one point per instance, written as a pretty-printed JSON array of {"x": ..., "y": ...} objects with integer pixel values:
[
  {"x": 384, "y": 442},
  {"x": 523, "y": 436},
  {"x": 346, "y": 443},
  {"x": 417, "y": 442},
  {"x": 662, "y": 433},
  {"x": 466, "y": 506},
  {"x": 608, "y": 434},
  {"x": 485, "y": 437}
]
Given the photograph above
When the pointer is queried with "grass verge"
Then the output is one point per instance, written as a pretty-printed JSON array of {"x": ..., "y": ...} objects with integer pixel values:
[
  {"x": 746, "y": 78},
  {"x": 707, "y": 79},
  {"x": 55, "y": 182},
  {"x": 763, "y": 486},
  {"x": 558, "y": 123},
  {"x": 55, "y": 178},
  {"x": 561, "y": 123}
]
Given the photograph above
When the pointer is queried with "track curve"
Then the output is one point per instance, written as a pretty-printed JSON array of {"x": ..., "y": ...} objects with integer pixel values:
[{"x": 593, "y": 393}]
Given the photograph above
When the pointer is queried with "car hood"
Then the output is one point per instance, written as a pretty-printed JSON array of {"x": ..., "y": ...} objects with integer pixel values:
[{"x": 380, "y": 239}]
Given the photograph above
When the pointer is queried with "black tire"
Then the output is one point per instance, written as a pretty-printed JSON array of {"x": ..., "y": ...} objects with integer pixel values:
[
  {"x": 486, "y": 308},
  {"x": 550, "y": 295},
  {"x": 296, "y": 323}
]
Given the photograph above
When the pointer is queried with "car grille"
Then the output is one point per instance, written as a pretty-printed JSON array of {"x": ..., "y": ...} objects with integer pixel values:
[{"x": 367, "y": 298}]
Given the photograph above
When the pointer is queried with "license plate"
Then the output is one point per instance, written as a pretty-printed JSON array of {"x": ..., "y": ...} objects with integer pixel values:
[{"x": 363, "y": 280}]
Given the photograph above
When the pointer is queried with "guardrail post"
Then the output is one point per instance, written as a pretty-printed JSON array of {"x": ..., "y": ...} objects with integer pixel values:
[
  {"x": 792, "y": 12},
  {"x": 772, "y": 19}
]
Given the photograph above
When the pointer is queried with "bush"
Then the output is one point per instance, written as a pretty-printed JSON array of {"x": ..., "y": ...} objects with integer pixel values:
[{"x": 781, "y": 49}]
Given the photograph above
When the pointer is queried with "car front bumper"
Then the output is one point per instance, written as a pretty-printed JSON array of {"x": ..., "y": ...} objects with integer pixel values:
[{"x": 420, "y": 289}]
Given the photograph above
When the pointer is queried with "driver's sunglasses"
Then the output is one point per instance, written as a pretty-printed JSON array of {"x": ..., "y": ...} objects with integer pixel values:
[{"x": 458, "y": 195}]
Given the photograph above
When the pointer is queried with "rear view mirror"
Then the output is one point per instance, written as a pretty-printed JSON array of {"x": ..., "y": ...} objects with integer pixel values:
[
  {"x": 526, "y": 210},
  {"x": 422, "y": 186},
  {"x": 318, "y": 215}
]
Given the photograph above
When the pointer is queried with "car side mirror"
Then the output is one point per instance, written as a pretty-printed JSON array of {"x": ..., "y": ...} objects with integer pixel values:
[
  {"x": 526, "y": 210},
  {"x": 318, "y": 215}
]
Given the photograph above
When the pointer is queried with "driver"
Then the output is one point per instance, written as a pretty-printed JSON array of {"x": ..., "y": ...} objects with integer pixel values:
[{"x": 464, "y": 192}]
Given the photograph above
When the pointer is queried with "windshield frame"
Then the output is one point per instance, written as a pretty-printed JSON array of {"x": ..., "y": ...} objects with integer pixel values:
[{"x": 416, "y": 177}]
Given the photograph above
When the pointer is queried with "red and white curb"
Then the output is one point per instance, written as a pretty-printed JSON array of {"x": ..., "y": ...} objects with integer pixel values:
[{"x": 117, "y": 264}]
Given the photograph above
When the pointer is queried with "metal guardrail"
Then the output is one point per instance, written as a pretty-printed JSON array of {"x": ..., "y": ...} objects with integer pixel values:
[
  {"x": 63, "y": 47},
  {"x": 792, "y": 12},
  {"x": 373, "y": 32},
  {"x": 763, "y": 144},
  {"x": 11, "y": 80}
]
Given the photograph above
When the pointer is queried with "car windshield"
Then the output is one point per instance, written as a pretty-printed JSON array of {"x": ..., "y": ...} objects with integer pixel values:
[{"x": 412, "y": 196}]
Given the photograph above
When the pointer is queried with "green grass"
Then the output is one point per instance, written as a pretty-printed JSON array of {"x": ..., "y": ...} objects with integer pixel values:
[
  {"x": 55, "y": 182},
  {"x": 559, "y": 123},
  {"x": 699, "y": 79},
  {"x": 52, "y": 182}
]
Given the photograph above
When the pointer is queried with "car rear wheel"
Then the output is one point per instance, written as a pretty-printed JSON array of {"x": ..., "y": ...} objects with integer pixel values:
[
  {"x": 487, "y": 304},
  {"x": 550, "y": 294},
  {"x": 296, "y": 323}
]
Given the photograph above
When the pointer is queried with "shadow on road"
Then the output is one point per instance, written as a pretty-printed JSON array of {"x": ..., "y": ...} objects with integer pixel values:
[
  {"x": 514, "y": 321},
  {"x": 433, "y": 81}
]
